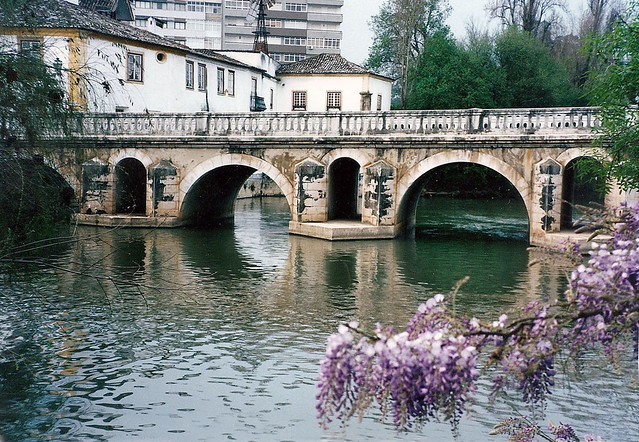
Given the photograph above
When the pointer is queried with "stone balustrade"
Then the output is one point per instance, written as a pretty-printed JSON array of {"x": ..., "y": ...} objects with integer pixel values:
[{"x": 499, "y": 122}]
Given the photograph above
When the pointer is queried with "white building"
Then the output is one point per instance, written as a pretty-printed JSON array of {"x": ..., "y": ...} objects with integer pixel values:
[
  {"x": 115, "y": 67},
  {"x": 329, "y": 82},
  {"x": 112, "y": 66}
]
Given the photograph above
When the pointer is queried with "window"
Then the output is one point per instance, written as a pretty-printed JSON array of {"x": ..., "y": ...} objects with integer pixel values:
[
  {"x": 333, "y": 100},
  {"x": 366, "y": 101},
  {"x": 179, "y": 25},
  {"x": 201, "y": 77},
  {"x": 231, "y": 83},
  {"x": 220, "y": 81},
  {"x": 237, "y": 4},
  {"x": 296, "y": 7},
  {"x": 195, "y": 6},
  {"x": 299, "y": 100},
  {"x": 30, "y": 45},
  {"x": 134, "y": 67},
  {"x": 189, "y": 74},
  {"x": 294, "y": 41},
  {"x": 379, "y": 102},
  {"x": 213, "y": 8},
  {"x": 271, "y": 23}
]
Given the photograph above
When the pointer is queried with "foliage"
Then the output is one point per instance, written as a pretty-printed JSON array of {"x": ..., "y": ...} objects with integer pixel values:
[
  {"x": 34, "y": 202},
  {"x": 401, "y": 31},
  {"x": 449, "y": 77},
  {"x": 616, "y": 89},
  {"x": 431, "y": 369},
  {"x": 32, "y": 99},
  {"x": 533, "y": 78}
]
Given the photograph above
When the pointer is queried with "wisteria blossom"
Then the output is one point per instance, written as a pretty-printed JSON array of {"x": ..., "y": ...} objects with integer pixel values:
[{"x": 430, "y": 369}]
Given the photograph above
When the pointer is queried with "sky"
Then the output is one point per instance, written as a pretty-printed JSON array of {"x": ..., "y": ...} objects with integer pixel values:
[{"x": 357, "y": 36}]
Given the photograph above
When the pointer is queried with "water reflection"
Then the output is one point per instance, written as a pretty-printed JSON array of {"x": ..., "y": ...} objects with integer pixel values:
[{"x": 218, "y": 334}]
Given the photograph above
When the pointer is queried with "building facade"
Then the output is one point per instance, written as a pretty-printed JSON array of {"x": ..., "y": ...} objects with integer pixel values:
[
  {"x": 113, "y": 67},
  {"x": 330, "y": 83},
  {"x": 297, "y": 28}
]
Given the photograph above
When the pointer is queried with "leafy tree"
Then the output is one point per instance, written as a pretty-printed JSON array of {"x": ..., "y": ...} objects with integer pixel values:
[
  {"x": 33, "y": 105},
  {"x": 448, "y": 75},
  {"x": 401, "y": 31},
  {"x": 533, "y": 78},
  {"x": 616, "y": 89}
]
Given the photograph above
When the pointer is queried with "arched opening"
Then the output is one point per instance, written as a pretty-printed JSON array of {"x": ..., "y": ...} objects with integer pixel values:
[
  {"x": 35, "y": 200},
  {"x": 343, "y": 189},
  {"x": 210, "y": 202},
  {"x": 465, "y": 200},
  {"x": 582, "y": 186},
  {"x": 130, "y": 187}
]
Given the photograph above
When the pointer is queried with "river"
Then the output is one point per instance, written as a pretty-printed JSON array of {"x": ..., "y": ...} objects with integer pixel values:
[{"x": 217, "y": 335}]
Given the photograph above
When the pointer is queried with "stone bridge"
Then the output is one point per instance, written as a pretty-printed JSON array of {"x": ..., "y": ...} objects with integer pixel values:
[{"x": 367, "y": 168}]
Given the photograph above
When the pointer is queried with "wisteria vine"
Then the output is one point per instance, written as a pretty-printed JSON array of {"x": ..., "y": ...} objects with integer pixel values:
[{"x": 430, "y": 369}]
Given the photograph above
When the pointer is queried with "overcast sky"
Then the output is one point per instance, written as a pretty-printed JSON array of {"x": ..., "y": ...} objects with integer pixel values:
[{"x": 357, "y": 13}]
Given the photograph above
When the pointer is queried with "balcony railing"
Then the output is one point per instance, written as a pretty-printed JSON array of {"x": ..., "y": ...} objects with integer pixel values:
[{"x": 455, "y": 123}]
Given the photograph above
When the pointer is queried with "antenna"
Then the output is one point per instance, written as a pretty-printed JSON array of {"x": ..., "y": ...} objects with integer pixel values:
[{"x": 258, "y": 10}]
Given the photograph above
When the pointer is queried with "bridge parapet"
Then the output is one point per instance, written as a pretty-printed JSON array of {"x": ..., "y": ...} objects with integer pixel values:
[{"x": 559, "y": 121}]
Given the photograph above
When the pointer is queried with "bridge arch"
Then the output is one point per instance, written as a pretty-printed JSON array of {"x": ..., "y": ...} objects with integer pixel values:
[
  {"x": 130, "y": 167},
  {"x": 344, "y": 169},
  {"x": 575, "y": 190},
  {"x": 245, "y": 164},
  {"x": 409, "y": 186}
]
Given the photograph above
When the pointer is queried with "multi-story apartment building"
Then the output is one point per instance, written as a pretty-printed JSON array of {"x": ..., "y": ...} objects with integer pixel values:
[{"x": 297, "y": 28}]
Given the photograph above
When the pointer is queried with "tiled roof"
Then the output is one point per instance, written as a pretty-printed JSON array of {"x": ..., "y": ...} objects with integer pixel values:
[
  {"x": 62, "y": 14},
  {"x": 221, "y": 57},
  {"x": 96, "y": 5},
  {"x": 323, "y": 64},
  {"x": 118, "y": 9}
]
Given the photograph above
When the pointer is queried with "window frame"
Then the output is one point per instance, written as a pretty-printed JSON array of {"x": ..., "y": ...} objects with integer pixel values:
[
  {"x": 131, "y": 66},
  {"x": 220, "y": 81},
  {"x": 230, "y": 82},
  {"x": 202, "y": 74},
  {"x": 330, "y": 98},
  {"x": 189, "y": 74},
  {"x": 302, "y": 103}
]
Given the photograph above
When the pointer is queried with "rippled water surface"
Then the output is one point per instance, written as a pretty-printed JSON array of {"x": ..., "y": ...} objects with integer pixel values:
[{"x": 217, "y": 335}]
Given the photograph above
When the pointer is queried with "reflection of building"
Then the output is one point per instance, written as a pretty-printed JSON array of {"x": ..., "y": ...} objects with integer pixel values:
[{"x": 297, "y": 28}]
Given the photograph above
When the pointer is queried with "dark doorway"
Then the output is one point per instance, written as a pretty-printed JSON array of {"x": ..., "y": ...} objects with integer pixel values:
[
  {"x": 130, "y": 187},
  {"x": 343, "y": 189},
  {"x": 582, "y": 186}
]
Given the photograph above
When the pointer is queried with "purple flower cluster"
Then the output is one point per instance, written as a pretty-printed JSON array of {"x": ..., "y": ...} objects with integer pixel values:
[
  {"x": 605, "y": 291},
  {"x": 426, "y": 371},
  {"x": 430, "y": 369},
  {"x": 563, "y": 432}
]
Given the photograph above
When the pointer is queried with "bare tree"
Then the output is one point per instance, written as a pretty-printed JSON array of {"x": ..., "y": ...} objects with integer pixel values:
[
  {"x": 599, "y": 16},
  {"x": 538, "y": 17}
]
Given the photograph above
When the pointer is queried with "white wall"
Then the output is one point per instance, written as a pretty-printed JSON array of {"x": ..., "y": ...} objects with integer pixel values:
[
  {"x": 163, "y": 87},
  {"x": 316, "y": 87}
]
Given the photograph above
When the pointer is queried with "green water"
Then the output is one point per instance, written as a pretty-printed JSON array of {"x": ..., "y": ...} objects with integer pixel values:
[{"x": 217, "y": 335}]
